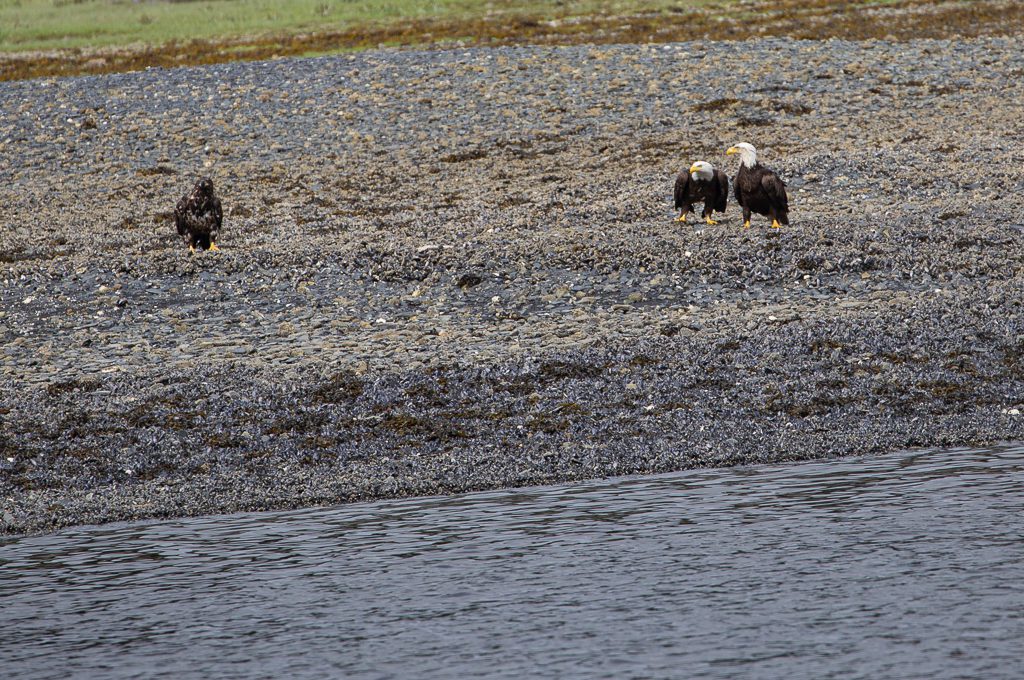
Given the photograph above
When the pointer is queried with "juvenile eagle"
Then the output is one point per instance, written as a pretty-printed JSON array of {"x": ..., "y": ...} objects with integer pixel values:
[
  {"x": 198, "y": 216},
  {"x": 701, "y": 181},
  {"x": 758, "y": 189}
]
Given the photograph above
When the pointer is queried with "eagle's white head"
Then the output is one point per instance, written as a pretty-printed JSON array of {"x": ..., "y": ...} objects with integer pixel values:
[
  {"x": 747, "y": 152},
  {"x": 702, "y": 171}
]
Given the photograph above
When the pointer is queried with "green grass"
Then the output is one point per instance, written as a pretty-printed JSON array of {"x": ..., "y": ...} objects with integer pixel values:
[{"x": 60, "y": 24}]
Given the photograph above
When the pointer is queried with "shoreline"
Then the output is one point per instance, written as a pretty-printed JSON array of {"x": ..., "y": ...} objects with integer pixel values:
[{"x": 450, "y": 271}]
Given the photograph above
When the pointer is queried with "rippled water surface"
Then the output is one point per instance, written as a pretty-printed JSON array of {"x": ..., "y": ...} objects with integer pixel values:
[{"x": 904, "y": 566}]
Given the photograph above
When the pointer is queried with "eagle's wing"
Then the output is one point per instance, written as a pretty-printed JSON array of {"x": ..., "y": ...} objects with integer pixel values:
[
  {"x": 723, "y": 191},
  {"x": 736, "y": 187},
  {"x": 775, "y": 189},
  {"x": 217, "y": 213},
  {"x": 179, "y": 216},
  {"x": 682, "y": 192}
]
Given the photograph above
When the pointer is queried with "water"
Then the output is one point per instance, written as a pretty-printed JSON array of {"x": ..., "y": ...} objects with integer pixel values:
[{"x": 905, "y": 566}]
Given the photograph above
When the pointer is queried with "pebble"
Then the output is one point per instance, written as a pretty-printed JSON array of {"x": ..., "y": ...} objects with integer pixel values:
[{"x": 333, "y": 315}]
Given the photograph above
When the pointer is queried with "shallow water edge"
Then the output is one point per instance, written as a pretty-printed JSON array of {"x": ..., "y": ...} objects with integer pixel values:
[{"x": 896, "y": 566}]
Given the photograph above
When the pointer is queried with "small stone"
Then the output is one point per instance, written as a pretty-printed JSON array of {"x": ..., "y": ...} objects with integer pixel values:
[{"x": 468, "y": 281}]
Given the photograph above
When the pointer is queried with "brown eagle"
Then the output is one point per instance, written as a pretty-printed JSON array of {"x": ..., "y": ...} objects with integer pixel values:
[
  {"x": 758, "y": 189},
  {"x": 701, "y": 181},
  {"x": 198, "y": 216}
]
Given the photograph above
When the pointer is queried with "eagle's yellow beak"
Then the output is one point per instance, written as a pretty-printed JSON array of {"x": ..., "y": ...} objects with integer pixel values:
[
  {"x": 732, "y": 150},
  {"x": 693, "y": 168}
]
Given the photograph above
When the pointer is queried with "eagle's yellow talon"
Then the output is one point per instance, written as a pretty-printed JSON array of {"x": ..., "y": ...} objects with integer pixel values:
[
  {"x": 710, "y": 221},
  {"x": 681, "y": 218},
  {"x": 192, "y": 250},
  {"x": 213, "y": 246},
  {"x": 746, "y": 225},
  {"x": 776, "y": 225}
]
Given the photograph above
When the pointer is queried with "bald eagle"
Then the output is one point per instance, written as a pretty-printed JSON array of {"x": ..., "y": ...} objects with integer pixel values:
[
  {"x": 198, "y": 216},
  {"x": 758, "y": 189},
  {"x": 701, "y": 181}
]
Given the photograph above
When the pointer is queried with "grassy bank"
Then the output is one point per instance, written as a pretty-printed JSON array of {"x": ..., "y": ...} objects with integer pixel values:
[
  {"x": 68, "y": 37},
  {"x": 61, "y": 24}
]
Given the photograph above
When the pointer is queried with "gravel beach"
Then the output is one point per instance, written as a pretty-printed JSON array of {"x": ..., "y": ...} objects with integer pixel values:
[{"x": 455, "y": 270}]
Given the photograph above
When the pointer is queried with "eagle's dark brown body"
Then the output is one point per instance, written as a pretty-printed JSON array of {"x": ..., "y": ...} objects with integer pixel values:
[
  {"x": 714, "y": 192},
  {"x": 198, "y": 216},
  {"x": 760, "y": 190}
]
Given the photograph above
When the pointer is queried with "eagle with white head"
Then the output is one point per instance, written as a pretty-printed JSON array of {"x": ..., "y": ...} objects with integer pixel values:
[
  {"x": 701, "y": 182},
  {"x": 758, "y": 189}
]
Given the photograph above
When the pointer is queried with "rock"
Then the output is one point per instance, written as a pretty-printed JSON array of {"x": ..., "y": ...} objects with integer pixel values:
[
  {"x": 329, "y": 335},
  {"x": 468, "y": 281}
]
